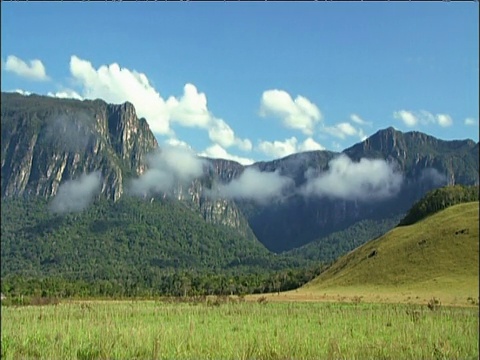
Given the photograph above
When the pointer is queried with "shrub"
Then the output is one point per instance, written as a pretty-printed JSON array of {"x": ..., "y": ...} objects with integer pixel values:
[
  {"x": 262, "y": 300},
  {"x": 434, "y": 304}
]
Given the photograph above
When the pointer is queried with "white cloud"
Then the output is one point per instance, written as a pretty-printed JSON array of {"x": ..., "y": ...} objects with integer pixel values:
[
  {"x": 191, "y": 109},
  {"x": 300, "y": 114},
  {"x": 364, "y": 180},
  {"x": 22, "y": 92},
  {"x": 347, "y": 129},
  {"x": 422, "y": 117},
  {"x": 66, "y": 94},
  {"x": 34, "y": 71},
  {"x": 471, "y": 122},
  {"x": 217, "y": 152},
  {"x": 358, "y": 120},
  {"x": 255, "y": 185},
  {"x": 221, "y": 133},
  {"x": 444, "y": 120},
  {"x": 342, "y": 130},
  {"x": 173, "y": 142},
  {"x": 76, "y": 195},
  {"x": 278, "y": 149},
  {"x": 118, "y": 85},
  {"x": 166, "y": 167},
  {"x": 310, "y": 145},
  {"x": 408, "y": 118}
]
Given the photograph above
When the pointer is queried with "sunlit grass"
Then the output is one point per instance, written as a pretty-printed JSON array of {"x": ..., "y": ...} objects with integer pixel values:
[
  {"x": 237, "y": 330},
  {"x": 437, "y": 256}
]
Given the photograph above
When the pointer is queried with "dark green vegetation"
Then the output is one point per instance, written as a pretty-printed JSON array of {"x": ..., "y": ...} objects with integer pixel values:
[
  {"x": 135, "y": 248},
  {"x": 440, "y": 199},
  {"x": 438, "y": 255},
  {"x": 336, "y": 244}
]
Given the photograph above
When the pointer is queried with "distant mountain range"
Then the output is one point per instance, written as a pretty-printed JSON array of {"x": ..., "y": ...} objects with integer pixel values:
[{"x": 71, "y": 155}]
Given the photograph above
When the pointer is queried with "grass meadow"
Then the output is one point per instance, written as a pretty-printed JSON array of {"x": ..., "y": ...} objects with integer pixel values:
[{"x": 225, "y": 328}]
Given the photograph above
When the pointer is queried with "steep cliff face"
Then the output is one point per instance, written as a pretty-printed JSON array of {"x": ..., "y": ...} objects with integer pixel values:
[{"x": 46, "y": 141}]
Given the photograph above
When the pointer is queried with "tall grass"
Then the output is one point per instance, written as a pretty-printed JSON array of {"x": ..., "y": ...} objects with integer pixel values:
[{"x": 240, "y": 330}]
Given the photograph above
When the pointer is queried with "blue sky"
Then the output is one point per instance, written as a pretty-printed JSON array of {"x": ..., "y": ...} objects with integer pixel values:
[{"x": 256, "y": 81}]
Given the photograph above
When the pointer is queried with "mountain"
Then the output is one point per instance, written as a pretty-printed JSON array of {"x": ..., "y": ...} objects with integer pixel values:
[
  {"x": 436, "y": 256},
  {"x": 48, "y": 142},
  {"x": 423, "y": 161}
]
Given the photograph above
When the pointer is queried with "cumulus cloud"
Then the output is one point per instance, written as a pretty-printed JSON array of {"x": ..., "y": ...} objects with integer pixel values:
[
  {"x": 76, "y": 195},
  {"x": 255, "y": 185},
  {"x": 166, "y": 167},
  {"x": 278, "y": 149},
  {"x": 221, "y": 133},
  {"x": 348, "y": 180},
  {"x": 118, "y": 85},
  {"x": 408, "y": 118},
  {"x": 422, "y": 117},
  {"x": 310, "y": 145},
  {"x": 471, "y": 122},
  {"x": 343, "y": 130},
  {"x": 33, "y": 71},
  {"x": 217, "y": 152},
  {"x": 444, "y": 120},
  {"x": 300, "y": 114},
  {"x": 191, "y": 109}
]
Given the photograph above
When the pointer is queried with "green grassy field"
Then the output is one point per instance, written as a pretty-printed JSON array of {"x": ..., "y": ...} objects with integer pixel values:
[
  {"x": 240, "y": 330},
  {"x": 389, "y": 305},
  {"x": 436, "y": 257}
]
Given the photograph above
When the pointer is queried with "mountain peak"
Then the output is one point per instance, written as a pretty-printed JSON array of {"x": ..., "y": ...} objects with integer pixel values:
[{"x": 47, "y": 141}]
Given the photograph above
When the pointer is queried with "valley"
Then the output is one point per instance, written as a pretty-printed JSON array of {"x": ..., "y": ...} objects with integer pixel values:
[{"x": 154, "y": 253}]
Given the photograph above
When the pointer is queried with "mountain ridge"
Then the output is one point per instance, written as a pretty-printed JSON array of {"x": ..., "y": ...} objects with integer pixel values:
[{"x": 116, "y": 143}]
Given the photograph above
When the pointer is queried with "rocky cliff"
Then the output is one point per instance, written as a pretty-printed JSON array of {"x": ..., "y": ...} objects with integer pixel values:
[{"x": 46, "y": 141}]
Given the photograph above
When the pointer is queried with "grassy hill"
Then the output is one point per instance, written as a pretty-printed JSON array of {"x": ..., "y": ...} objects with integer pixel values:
[{"x": 435, "y": 257}]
